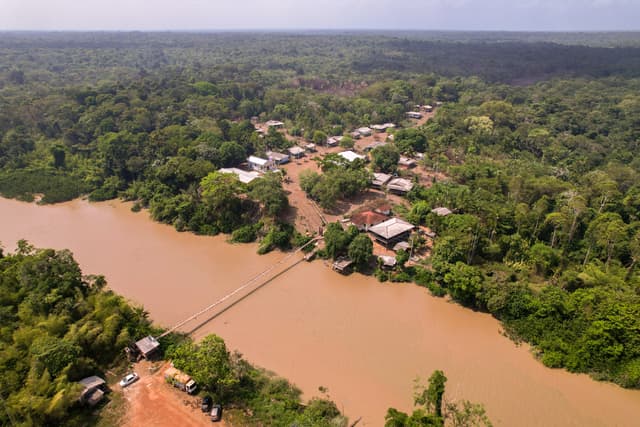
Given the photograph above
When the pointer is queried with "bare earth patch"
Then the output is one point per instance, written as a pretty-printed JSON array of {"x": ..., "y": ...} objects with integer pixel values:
[{"x": 151, "y": 402}]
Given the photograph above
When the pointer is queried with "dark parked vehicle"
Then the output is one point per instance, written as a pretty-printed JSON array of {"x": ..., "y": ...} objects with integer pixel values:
[
  {"x": 216, "y": 413},
  {"x": 206, "y": 404}
]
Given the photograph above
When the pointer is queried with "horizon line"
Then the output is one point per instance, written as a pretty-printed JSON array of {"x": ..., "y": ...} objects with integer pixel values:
[{"x": 298, "y": 30}]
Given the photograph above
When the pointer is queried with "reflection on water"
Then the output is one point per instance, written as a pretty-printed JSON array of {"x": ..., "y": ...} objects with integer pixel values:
[{"x": 362, "y": 340}]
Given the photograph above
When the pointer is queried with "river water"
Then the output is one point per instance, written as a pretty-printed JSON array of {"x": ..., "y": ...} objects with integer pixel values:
[{"x": 362, "y": 340}]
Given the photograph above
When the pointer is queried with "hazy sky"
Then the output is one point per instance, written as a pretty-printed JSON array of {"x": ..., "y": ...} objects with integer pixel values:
[{"x": 554, "y": 15}]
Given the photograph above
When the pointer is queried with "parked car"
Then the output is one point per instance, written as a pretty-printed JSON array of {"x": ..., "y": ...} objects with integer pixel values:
[
  {"x": 207, "y": 401},
  {"x": 216, "y": 413},
  {"x": 129, "y": 379}
]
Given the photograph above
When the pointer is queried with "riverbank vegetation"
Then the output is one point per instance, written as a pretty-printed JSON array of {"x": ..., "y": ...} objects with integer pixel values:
[
  {"x": 432, "y": 409},
  {"x": 59, "y": 327},
  {"x": 539, "y": 141}
]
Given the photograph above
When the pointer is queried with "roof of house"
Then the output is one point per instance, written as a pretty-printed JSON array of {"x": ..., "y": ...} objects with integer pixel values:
[
  {"x": 442, "y": 211},
  {"x": 414, "y": 113},
  {"x": 244, "y": 176},
  {"x": 364, "y": 129},
  {"x": 402, "y": 245},
  {"x": 257, "y": 161},
  {"x": 274, "y": 123},
  {"x": 366, "y": 218},
  {"x": 384, "y": 126},
  {"x": 274, "y": 155},
  {"x": 375, "y": 144},
  {"x": 380, "y": 179},
  {"x": 391, "y": 228},
  {"x": 94, "y": 397},
  {"x": 400, "y": 184},
  {"x": 388, "y": 261},
  {"x": 350, "y": 155},
  {"x": 296, "y": 150},
  {"x": 92, "y": 382},
  {"x": 147, "y": 345},
  {"x": 406, "y": 161},
  {"x": 341, "y": 264}
]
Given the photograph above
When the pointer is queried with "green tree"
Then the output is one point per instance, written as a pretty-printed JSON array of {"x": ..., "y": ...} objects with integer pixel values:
[
  {"x": 360, "y": 250},
  {"x": 336, "y": 240},
  {"x": 207, "y": 362},
  {"x": 385, "y": 158}
]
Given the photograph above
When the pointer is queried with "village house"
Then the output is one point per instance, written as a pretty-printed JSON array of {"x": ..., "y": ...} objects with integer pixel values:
[
  {"x": 400, "y": 186},
  {"x": 310, "y": 147},
  {"x": 414, "y": 114},
  {"x": 365, "y": 131},
  {"x": 391, "y": 231},
  {"x": 296, "y": 152},
  {"x": 427, "y": 108},
  {"x": 355, "y": 134},
  {"x": 380, "y": 179},
  {"x": 342, "y": 265},
  {"x": 383, "y": 127},
  {"x": 259, "y": 164},
  {"x": 374, "y": 144},
  {"x": 407, "y": 162},
  {"x": 274, "y": 124},
  {"x": 366, "y": 219},
  {"x": 383, "y": 208},
  {"x": 442, "y": 211},
  {"x": 402, "y": 246},
  {"x": 387, "y": 262},
  {"x": 93, "y": 391},
  {"x": 147, "y": 346},
  {"x": 351, "y": 156},
  {"x": 333, "y": 141},
  {"x": 244, "y": 176},
  {"x": 278, "y": 158}
]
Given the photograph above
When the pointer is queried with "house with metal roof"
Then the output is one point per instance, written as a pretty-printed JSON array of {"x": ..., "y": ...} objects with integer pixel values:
[
  {"x": 351, "y": 156},
  {"x": 93, "y": 391},
  {"x": 147, "y": 346},
  {"x": 296, "y": 152},
  {"x": 278, "y": 158},
  {"x": 400, "y": 186},
  {"x": 364, "y": 131},
  {"x": 259, "y": 164},
  {"x": 441, "y": 211},
  {"x": 392, "y": 231},
  {"x": 274, "y": 124},
  {"x": 380, "y": 179},
  {"x": 244, "y": 176},
  {"x": 407, "y": 162}
]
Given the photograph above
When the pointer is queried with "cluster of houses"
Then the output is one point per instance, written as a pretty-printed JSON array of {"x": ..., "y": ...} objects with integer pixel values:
[
  {"x": 391, "y": 232},
  {"x": 394, "y": 185}
]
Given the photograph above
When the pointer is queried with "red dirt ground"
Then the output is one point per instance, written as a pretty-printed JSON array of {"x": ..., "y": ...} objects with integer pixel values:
[{"x": 151, "y": 402}]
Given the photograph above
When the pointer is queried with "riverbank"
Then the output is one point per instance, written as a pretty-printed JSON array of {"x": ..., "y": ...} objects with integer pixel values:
[{"x": 364, "y": 341}]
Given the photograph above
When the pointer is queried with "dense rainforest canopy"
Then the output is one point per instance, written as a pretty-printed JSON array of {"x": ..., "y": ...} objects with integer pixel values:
[{"x": 538, "y": 135}]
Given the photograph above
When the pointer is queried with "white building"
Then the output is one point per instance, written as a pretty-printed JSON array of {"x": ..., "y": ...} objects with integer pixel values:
[
  {"x": 259, "y": 164},
  {"x": 244, "y": 176},
  {"x": 351, "y": 156}
]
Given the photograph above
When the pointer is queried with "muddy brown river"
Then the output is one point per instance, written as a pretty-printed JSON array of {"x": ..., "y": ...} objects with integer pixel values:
[{"x": 362, "y": 340}]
